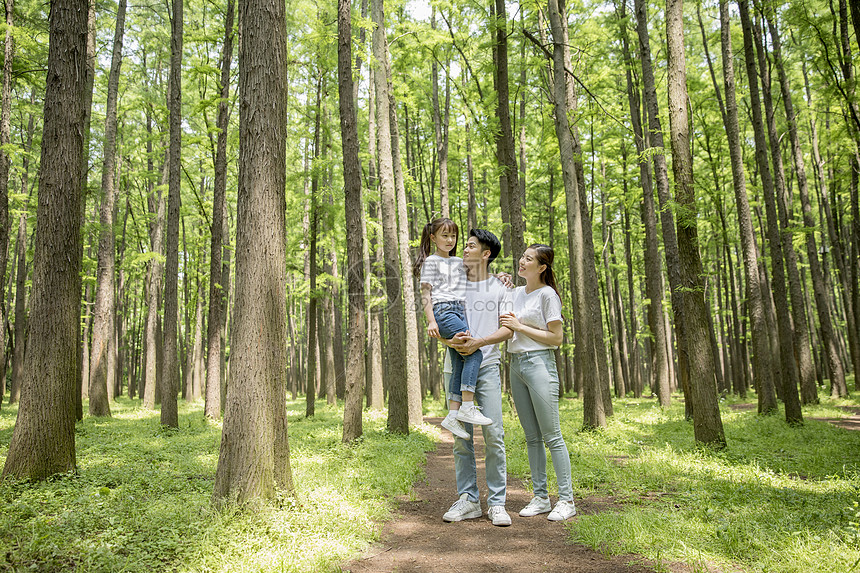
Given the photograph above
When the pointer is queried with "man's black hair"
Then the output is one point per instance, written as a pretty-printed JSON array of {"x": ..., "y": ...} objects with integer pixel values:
[{"x": 487, "y": 241}]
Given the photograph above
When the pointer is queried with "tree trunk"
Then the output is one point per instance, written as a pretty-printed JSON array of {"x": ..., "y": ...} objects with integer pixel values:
[
  {"x": 790, "y": 379},
  {"x": 413, "y": 319},
  {"x": 254, "y": 461},
  {"x": 761, "y": 351},
  {"x": 313, "y": 303},
  {"x": 170, "y": 365},
  {"x": 802, "y": 351},
  {"x": 102, "y": 370},
  {"x": 594, "y": 415},
  {"x": 505, "y": 151},
  {"x": 660, "y": 382},
  {"x": 355, "y": 230},
  {"x": 43, "y": 441},
  {"x": 395, "y": 351},
  {"x": 708, "y": 426},
  {"x": 212, "y": 407},
  {"x": 831, "y": 353},
  {"x": 670, "y": 239},
  {"x": 440, "y": 128}
]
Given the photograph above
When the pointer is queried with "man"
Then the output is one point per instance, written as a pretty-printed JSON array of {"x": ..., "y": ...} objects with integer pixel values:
[{"x": 486, "y": 299}]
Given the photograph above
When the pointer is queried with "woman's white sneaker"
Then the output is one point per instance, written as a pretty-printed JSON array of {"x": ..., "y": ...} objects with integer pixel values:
[
  {"x": 536, "y": 506},
  {"x": 563, "y": 510}
]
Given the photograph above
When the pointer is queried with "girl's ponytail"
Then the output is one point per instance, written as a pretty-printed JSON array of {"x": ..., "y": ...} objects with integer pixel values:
[{"x": 423, "y": 249}]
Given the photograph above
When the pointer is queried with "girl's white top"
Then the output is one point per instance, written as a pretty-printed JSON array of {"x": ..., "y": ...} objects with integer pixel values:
[
  {"x": 446, "y": 277},
  {"x": 536, "y": 309}
]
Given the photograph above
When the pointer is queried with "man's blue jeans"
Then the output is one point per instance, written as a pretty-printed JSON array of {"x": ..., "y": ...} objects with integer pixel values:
[
  {"x": 488, "y": 395},
  {"x": 534, "y": 385},
  {"x": 451, "y": 319}
]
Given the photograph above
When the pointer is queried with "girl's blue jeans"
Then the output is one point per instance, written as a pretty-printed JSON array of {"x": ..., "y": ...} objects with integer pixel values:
[{"x": 451, "y": 319}]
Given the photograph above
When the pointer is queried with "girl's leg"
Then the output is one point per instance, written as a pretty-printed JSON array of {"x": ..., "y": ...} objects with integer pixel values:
[{"x": 531, "y": 428}]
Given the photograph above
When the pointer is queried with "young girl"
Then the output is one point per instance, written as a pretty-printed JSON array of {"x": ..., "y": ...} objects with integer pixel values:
[
  {"x": 537, "y": 324},
  {"x": 443, "y": 295}
]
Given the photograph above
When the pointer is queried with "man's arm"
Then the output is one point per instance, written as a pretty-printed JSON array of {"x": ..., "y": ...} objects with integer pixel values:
[{"x": 466, "y": 345}]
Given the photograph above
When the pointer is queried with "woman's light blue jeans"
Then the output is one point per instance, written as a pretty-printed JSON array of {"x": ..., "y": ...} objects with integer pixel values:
[{"x": 534, "y": 385}]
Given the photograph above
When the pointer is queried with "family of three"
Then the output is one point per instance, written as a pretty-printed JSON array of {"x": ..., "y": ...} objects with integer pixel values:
[{"x": 472, "y": 311}]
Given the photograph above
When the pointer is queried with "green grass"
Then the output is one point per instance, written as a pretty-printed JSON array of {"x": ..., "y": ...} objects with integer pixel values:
[
  {"x": 778, "y": 499},
  {"x": 141, "y": 499}
]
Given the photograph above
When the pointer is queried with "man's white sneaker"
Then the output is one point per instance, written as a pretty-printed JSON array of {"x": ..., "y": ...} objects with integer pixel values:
[
  {"x": 463, "y": 509},
  {"x": 536, "y": 506},
  {"x": 498, "y": 515},
  {"x": 453, "y": 425},
  {"x": 563, "y": 510},
  {"x": 472, "y": 415}
]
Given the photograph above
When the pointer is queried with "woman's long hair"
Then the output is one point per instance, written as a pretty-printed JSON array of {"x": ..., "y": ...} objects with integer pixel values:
[
  {"x": 426, "y": 246},
  {"x": 545, "y": 256}
]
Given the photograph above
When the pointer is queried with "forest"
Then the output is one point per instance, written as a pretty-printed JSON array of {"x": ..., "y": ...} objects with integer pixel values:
[{"x": 209, "y": 213}]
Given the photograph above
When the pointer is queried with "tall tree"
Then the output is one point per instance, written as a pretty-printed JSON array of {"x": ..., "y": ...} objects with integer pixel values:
[
  {"x": 661, "y": 176},
  {"x": 660, "y": 382},
  {"x": 103, "y": 358},
  {"x": 43, "y": 441},
  {"x": 254, "y": 461},
  {"x": 790, "y": 378},
  {"x": 830, "y": 350},
  {"x": 505, "y": 151},
  {"x": 217, "y": 295},
  {"x": 708, "y": 426},
  {"x": 761, "y": 352},
  {"x": 5, "y": 163},
  {"x": 594, "y": 415},
  {"x": 354, "y": 214},
  {"x": 170, "y": 365},
  {"x": 398, "y": 408}
]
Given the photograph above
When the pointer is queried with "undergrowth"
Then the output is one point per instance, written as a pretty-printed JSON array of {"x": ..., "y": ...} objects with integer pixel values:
[
  {"x": 779, "y": 499},
  {"x": 141, "y": 500}
]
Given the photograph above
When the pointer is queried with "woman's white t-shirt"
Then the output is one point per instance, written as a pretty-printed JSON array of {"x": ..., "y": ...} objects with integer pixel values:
[
  {"x": 446, "y": 277},
  {"x": 536, "y": 309}
]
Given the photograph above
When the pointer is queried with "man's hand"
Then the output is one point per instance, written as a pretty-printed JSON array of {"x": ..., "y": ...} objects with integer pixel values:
[{"x": 465, "y": 344}]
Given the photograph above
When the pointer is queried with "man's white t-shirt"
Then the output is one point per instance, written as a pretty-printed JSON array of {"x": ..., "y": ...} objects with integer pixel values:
[
  {"x": 446, "y": 277},
  {"x": 536, "y": 309},
  {"x": 485, "y": 302}
]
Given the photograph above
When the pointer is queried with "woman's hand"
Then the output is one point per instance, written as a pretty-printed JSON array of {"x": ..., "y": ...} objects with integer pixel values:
[
  {"x": 509, "y": 320},
  {"x": 433, "y": 329}
]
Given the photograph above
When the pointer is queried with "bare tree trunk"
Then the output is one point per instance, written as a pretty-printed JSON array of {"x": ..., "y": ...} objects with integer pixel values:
[
  {"x": 102, "y": 371},
  {"x": 761, "y": 351},
  {"x": 170, "y": 366},
  {"x": 254, "y": 461},
  {"x": 706, "y": 412},
  {"x": 396, "y": 373},
  {"x": 43, "y": 441},
  {"x": 355, "y": 230},
  {"x": 831, "y": 353},
  {"x": 413, "y": 319},
  {"x": 312, "y": 312},
  {"x": 594, "y": 415},
  {"x": 440, "y": 129},
  {"x": 670, "y": 239},
  {"x": 660, "y": 382},
  {"x": 212, "y": 407},
  {"x": 505, "y": 151},
  {"x": 790, "y": 378}
]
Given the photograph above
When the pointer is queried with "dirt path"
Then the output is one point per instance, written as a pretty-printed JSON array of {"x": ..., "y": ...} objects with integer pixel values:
[{"x": 418, "y": 540}]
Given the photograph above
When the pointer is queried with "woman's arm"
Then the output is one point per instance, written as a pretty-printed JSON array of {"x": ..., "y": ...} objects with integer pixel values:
[{"x": 553, "y": 336}]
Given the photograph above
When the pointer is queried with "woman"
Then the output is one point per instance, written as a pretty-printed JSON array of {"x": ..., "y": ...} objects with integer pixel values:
[{"x": 537, "y": 324}]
